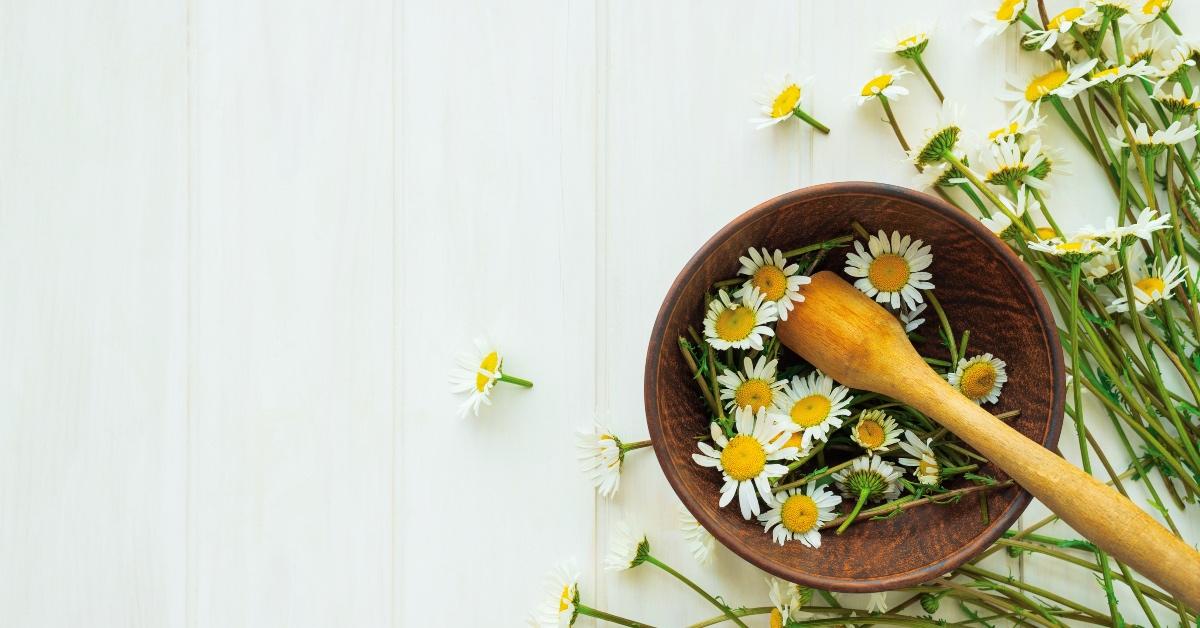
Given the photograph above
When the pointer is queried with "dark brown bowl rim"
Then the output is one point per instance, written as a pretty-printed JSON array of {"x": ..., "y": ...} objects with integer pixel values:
[{"x": 999, "y": 524}]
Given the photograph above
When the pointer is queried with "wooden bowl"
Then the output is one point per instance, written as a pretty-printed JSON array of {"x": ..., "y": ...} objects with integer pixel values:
[{"x": 982, "y": 286}]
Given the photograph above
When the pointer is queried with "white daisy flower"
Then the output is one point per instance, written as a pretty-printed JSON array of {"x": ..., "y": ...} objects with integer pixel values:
[
  {"x": 772, "y": 275},
  {"x": 1057, "y": 81},
  {"x": 812, "y": 407},
  {"x": 626, "y": 549},
  {"x": 909, "y": 318},
  {"x": 559, "y": 610},
  {"x": 868, "y": 478},
  {"x": 941, "y": 174},
  {"x": 1119, "y": 73},
  {"x": 1175, "y": 61},
  {"x": 1150, "y": 10},
  {"x": 1101, "y": 267},
  {"x": 754, "y": 388},
  {"x": 780, "y": 99},
  {"x": 745, "y": 461},
  {"x": 699, "y": 541},
  {"x": 891, "y": 269},
  {"x": 927, "y": 469},
  {"x": 477, "y": 373},
  {"x": 997, "y": 21},
  {"x": 1155, "y": 285},
  {"x": 600, "y": 458},
  {"x": 1148, "y": 221},
  {"x": 739, "y": 324},
  {"x": 1000, "y": 223},
  {"x": 875, "y": 431},
  {"x": 979, "y": 378},
  {"x": 1006, "y": 164},
  {"x": 883, "y": 84},
  {"x": 799, "y": 515},
  {"x": 1016, "y": 128},
  {"x": 1112, "y": 9},
  {"x": 908, "y": 41},
  {"x": 1077, "y": 248},
  {"x": 940, "y": 138},
  {"x": 1151, "y": 144},
  {"x": 1060, "y": 25},
  {"x": 1178, "y": 101},
  {"x": 877, "y": 603}
]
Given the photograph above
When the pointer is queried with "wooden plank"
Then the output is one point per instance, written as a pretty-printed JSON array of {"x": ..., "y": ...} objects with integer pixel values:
[
  {"x": 291, "y": 333},
  {"x": 93, "y": 319},
  {"x": 496, "y": 139}
]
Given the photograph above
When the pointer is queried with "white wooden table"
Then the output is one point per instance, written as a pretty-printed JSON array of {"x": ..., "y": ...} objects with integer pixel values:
[{"x": 241, "y": 242}]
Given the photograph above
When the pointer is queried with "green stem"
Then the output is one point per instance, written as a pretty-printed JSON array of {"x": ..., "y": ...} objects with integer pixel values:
[
  {"x": 862, "y": 499},
  {"x": 608, "y": 617},
  {"x": 695, "y": 587},
  {"x": 803, "y": 115},
  {"x": 1169, "y": 22},
  {"x": 928, "y": 77},
  {"x": 628, "y": 447},
  {"x": 505, "y": 377},
  {"x": 887, "y": 109},
  {"x": 827, "y": 244},
  {"x": 740, "y": 612}
]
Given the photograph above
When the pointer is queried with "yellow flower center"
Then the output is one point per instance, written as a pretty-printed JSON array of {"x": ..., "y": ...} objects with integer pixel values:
[
  {"x": 924, "y": 467},
  {"x": 1073, "y": 247},
  {"x": 1008, "y": 9},
  {"x": 564, "y": 600},
  {"x": 735, "y": 323},
  {"x": 1045, "y": 233},
  {"x": 785, "y": 103},
  {"x": 771, "y": 281},
  {"x": 489, "y": 364},
  {"x": 1106, "y": 72},
  {"x": 1070, "y": 15},
  {"x": 877, "y": 84},
  {"x": 799, "y": 513},
  {"x": 977, "y": 380},
  {"x": 870, "y": 433},
  {"x": 1046, "y": 83},
  {"x": 743, "y": 458},
  {"x": 1154, "y": 6},
  {"x": 888, "y": 272},
  {"x": 1150, "y": 285},
  {"x": 1003, "y": 131},
  {"x": 755, "y": 393},
  {"x": 776, "y": 618},
  {"x": 911, "y": 41},
  {"x": 810, "y": 410},
  {"x": 795, "y": 440}
]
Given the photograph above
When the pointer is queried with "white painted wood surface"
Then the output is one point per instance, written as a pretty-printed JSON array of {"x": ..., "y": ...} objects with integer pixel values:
[{"x": 242, "y": 242}]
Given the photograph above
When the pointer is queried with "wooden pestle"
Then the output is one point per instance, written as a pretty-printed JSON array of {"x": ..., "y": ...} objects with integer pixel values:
[{"x": 851, "y": 338}]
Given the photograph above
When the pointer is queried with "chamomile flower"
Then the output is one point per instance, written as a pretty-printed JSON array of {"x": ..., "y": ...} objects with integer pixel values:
[
  {"x": 942, "y": 174},
  {"x": 1000, "y": 223},
  {"x": 746, "y": 460},
  {"x": 785, "y": 602},
  {"x": 875, "y": 431},
  {"x": 1150, "y": 10},
  {"x": 907, "y": 42},
  {"x": 883, "y": 84},
  {"x": 1148, "y": 221},
  {"x": 601, "y": 456},
  {"x": 1060, "y": 25},
  {"x": 1155, "y": 285},
  {"x": 477, "y": 372},
  {"x": 998, "y": 20},
  {"x": 891, "y": 269},
  {"x": 772, "y": 275},
  {"x": 939, "y": 139},
  {"x": 1102, "y": 268},
  {"x": 910, "y": 318},
  {"x": 980, "y": 378},
  {"x": 812, "y": 407},
  {"x": 739, "y": 324},
  {"x": 755, "y": 387},
  {"x": 626, "y": 549},
  {"x": 800, "y": 514},
  {"x": 1016, "y": 129},
  {"x": 1112, "y": 9},
  {"x": 1007, "y": 164},
  {"x": 779, "y": 100},
  {"x": 699, "y": 541},
  {"x": 1151, "y": 144},
  {"x": 927, "y": 469},
  {"x": 1060, "y": 81},
  {"x": 1077, "y": 248},
  {"x": 1119, "y": 73},
  {"x": 1175, "y": 62},
  {"x": 561, "y": 606},
  {"x": 868, "y": 478},
  {"x": 1178, "y": 101},
  {"x": 877, "y": 603}
]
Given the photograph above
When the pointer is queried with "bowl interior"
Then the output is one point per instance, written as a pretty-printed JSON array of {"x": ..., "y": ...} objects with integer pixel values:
[{"x": 981, "y": 285}]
